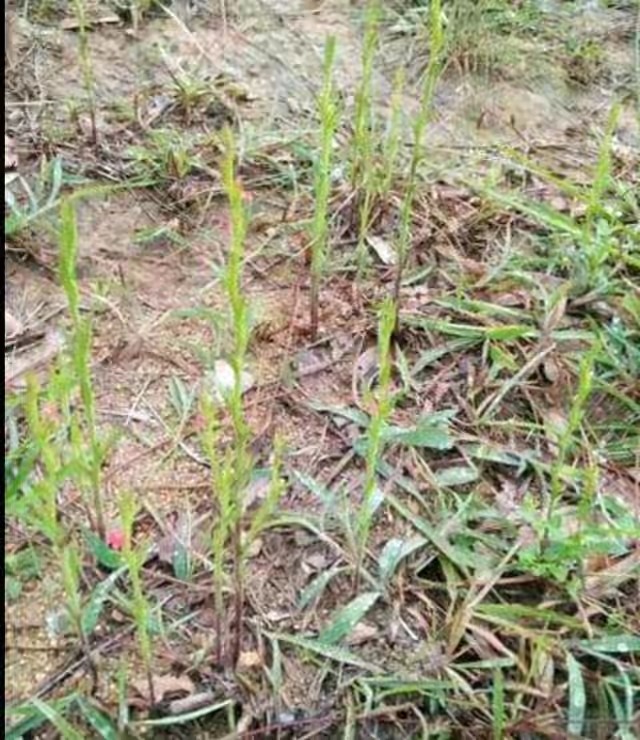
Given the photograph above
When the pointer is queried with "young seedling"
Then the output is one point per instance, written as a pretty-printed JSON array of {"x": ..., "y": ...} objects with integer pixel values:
[
  {"x": 364, "y": 135},
  {"x": 84, "y": 432},
  {"x": 231, "y": 470},
  {"x": 134, "y": 558},
  {"x": 375, "y": 436},
  {"x": 328, "y": 111},
  {"x": 391, "y": 144},
  {"x": 436, "y": 47},
  {"x": 71, "y": 572},
  {"x": 39, "y": 503},
  {"x": 86, "y": 65}
]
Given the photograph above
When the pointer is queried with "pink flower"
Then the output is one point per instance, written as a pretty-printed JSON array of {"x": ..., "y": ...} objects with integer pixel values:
[{"x": 115, "y": 539}]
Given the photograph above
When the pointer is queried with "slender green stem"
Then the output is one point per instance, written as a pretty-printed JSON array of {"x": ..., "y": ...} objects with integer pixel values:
[{"x": 322, "y": 183}]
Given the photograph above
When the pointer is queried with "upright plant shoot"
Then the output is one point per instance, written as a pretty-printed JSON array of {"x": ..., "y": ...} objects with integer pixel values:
[
  {"x": 375, "y": 438},
  {"x": 432, "y": 74},
  {"x": 328, "y": 111}
]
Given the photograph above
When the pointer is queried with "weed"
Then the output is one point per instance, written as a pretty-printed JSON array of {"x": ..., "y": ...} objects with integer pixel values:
[
  {"x": 375, "y": 433},
  {"x": 231, "y": 471},
  {"x": 38, "y": 504},
  {"x": 365, "y": 135},
  {"x": 328, "y": 112},
  {"x": 134, "y": 558},
  {"x": 392, "y": 139},
  {"x": 165, "y": 156},
  {"x": 40, "y": 201},
  {"x": 88, "y": 449},
  {"x": 434, "y": 68},
  {"x": 585, "y": 60},
  {"x": 71, "y": 575},
  {"x": 86, "y": 65}
]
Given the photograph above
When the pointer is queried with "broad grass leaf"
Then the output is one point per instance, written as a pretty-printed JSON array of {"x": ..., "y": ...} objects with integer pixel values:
[
  {"x": 394, "y": 552},
  {"x": 98, "y": 720},
  {"x": 577, "y": 697},
  {"x": 611, "y": 644},
  {"x": 93, "y": 610},
  {"x": 332, "y": 652},
  {"x": 65, "y": 728},
  {"x": 346, "y": 412},
  {"x": 315, "y": 587},
  {"x": 347, "y": 618},
  {"x": 458, "y": 475},
  {"x": 427, "y": 433},
  {"x": 102, "y": 552}
]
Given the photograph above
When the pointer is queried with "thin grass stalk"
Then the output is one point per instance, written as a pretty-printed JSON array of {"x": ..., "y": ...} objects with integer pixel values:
[
  {"x": 86, "y": 65},
  {"x": 391, "y": 146},
  {"x": 134, "y": 559},
  {"x": 328, "y": 111},
  {"x": 363, "y": 175},
  {"x": 375, "y": 434},
  {"x": 598, "y": 247},
  {"x": 42, "y": 501},
  {"x": 81, "y": 358},
  {"x": 432, "y": 75},
  {"x": 70, "y": 560},
  {"x": 241, "y": 464},
  {"x": 567, "y": 437},
  {"x": 221, "y": 489}
]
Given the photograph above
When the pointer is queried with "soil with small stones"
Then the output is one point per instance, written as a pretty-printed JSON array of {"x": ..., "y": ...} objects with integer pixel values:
[{"x": 147, "y": 272}]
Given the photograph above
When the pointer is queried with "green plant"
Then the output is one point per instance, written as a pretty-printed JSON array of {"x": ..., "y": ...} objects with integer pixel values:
[
  {"x": 585, "y": 62},
  {"x": 37, "y": 502},
  {"x": 364, "y": 135},
  {"x": 86, "y": 65},
  {"x": 88, "y": 449},
  {"x": 231, "y": 471},
  {"x": 392, "y": 138},
  {"x": 134, "y": 559},
  {"x": 593, "y": 248},
  {"x": 328, "y": 112},
  {"x": 40, "y": 200},
  {"x": 164, "y": 157},
  {"x": 434, "y": 68},
  {"x": 376, "y": 433},
  {"x": 71, "y": 575}
]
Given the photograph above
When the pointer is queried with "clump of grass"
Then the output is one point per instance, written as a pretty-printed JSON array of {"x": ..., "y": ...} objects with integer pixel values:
[
  {"x": 375, "y": 435},
  {"x": 86, "y": 65},
  {"x": 434, "y": 69},
  {"x": 592, "y": 249},
  {"x": 166, "y": 155},
  {"x": 40, "y": 200},
  {"x": 328, "y": 111}
]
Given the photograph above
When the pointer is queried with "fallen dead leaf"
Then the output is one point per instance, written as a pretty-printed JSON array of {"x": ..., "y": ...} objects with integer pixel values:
[
  {"x": 12, "y": 327},
  {"x": 248, "y": 660},
  {"x": 221, "y": 380},
  {"x": 72, "y": 24},
  {"x": 386, "y": 253},
  {"x": 10, "y": 154},
  {"x": 362, "y": 633},
  {"x": 164, "y": 686},
  {"x": 256, "y": 492},
  {"x": 38, "y": 360}
]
